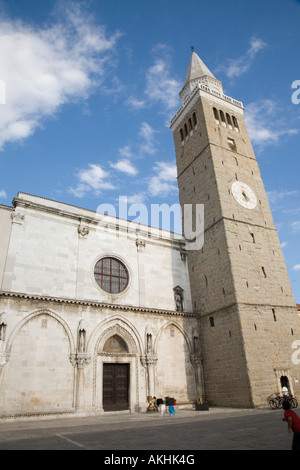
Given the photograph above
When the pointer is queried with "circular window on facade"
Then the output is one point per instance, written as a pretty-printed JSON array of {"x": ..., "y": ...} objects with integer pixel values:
[{"x": 111, "y": 275}]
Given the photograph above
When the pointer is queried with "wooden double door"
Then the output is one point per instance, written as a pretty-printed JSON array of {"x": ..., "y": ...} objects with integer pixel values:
[{"x": 115, "y": 386}]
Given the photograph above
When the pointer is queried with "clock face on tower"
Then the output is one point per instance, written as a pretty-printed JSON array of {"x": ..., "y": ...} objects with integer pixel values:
[{"x": 244, "y": 195}]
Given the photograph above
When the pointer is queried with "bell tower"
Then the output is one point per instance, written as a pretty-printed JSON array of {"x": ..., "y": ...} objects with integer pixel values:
[{"x": 239, "y": 282}]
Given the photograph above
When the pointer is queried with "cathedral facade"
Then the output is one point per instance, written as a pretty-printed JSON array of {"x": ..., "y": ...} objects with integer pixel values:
[{"x": 98, "y": 313}]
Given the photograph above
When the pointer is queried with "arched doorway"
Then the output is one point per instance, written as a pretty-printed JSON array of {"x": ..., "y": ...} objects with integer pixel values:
[
  {"x": 285, "y": 384},
  {"x": 115, "y": 377},
  {"x": 116, "y": 341},
  {"x": 284, "y": 379}
]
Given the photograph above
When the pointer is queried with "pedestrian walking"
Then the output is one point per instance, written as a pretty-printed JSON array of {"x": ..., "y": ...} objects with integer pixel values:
[
  {"x": 171, "y": 410},
  {"x": 293, "y": 421}
]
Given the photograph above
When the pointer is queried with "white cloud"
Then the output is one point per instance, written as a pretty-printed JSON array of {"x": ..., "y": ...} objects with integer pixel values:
[
  {"x": 264, "y": 124},
  {"x": 147, "y": 134},
  {"x": 126, "y": 151},
  {"x": 138, "y": 198},
  {"x": 283, "y": 244},
  {"x": 45, "y": 68},
  {"x": 296, "y": 226},
  {"x": 125, "y": 166},
  {"x": 276, "y": 196},
  {"x": 135, "y": 103},
  {"x": 160, "y": 86},
  {"x": 296, "y": 267},
  {"x": 237, "y": 67},
  {"x": 3, "y": 194},
  {"x": 164, "y": 182},
  {"x": 93, "y": 179}
]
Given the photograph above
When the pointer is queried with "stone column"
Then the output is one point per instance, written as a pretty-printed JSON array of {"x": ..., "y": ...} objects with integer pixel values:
[
  {"x": 197, "y": 361},
  {"x": 81, "y": 360},
  {"x": 149, "y": 361},
  {"x": 3, "y": 353}
]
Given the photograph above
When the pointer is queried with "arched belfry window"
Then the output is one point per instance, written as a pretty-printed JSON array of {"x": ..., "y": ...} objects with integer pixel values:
[
  {"x": 222, "y": 118},
  {"x": 195, "y": 119},
  {"x": 111, "y": 275},
  {"x": 185, "y": 130},
  {"x": 216, "y": 114},
  {"x": 235, "y": 123},
  {"x": 229, "y": 122}
]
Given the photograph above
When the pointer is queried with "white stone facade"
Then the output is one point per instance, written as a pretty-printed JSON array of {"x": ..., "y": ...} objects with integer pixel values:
[{"x": 50, "y": 298}]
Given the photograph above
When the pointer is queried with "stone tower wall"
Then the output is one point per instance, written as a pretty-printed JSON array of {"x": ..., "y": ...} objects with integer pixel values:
[{"x": 239, "y": 282}]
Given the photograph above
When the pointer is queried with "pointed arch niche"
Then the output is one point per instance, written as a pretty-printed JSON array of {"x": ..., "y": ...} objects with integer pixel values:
[
  {"x": 175, "y": 375},
  {"x": 116, "y": 346},
  {"x": 39, "y": 373}
]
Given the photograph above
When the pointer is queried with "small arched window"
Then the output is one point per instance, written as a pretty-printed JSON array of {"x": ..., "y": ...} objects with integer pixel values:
[
  {"x": 194, "y": 119},
  {"x": 190, "y": 125},
  {"x": 235, "y": 123},
  {"x": 229, "y": 122},
  {"x": 181, "y": 135},
  {"x": 216, "y": 114},
  {"x": 222, "y": 118},
  {"x": 185, "y": 130}
]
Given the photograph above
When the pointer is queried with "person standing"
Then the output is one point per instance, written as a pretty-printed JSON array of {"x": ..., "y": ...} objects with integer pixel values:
[{"x": 293, "y": 421}]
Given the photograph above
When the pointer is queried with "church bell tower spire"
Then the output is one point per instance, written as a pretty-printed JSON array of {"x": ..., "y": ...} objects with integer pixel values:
[
  {"x": 240, "y": 287},
  {"x": 198, "y": 73}
]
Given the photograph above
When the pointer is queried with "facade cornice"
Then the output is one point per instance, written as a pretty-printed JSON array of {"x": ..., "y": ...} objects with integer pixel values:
[{"x": 93, "y": 303}]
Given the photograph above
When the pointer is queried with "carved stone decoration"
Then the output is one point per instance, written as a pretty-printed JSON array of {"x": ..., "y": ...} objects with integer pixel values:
[
  {"x": 83, "y": 231},
  {"x": 196, "y": 342},
  {"x": 148, "y": 341},
  {"x": 196, "y": 359},
  {"x": 3, "y": 325},
  {"x": 82, "y": 359},
  {"x": 17, "y": 218},
  {"x": 3, "y": 355},
  {"x": 140, "y": 244},
  {"x": 178, "y": 294},
  {"x": 81, "y": 336},
  {"x": 72, "y": 358},
  {"x": 149, "y": 359}
]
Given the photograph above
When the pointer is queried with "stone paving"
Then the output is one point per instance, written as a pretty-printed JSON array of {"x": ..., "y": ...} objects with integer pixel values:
[{"x": 216, "y": 429}]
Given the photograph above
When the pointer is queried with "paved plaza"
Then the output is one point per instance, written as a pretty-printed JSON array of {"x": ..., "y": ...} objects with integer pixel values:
[{"x": 189, "y": 430}]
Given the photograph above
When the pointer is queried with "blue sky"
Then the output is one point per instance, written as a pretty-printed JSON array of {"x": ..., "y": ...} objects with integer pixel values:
[{"x": 90, "y": 88}]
